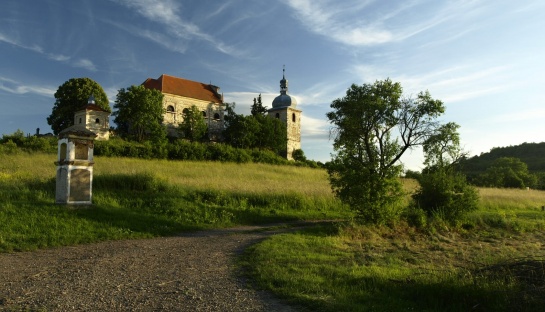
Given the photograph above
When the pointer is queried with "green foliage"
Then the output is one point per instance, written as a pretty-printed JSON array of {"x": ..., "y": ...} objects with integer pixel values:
[
  {"x": 446, "y": 194},
  {"x": 258, "y": 108},
  {"x": 507, "y": 172},
  {"x": 529, "y": 153},
  {"x": 71, "y": 96},
  {"x": 193, "y": 126},
  {"x": 12, "y": 143},
  {"x": 299, "y": 155},
  {"x": 139, "y": 114},
  {"x": 254, "y": 131},
  {"x": 373, "y": 127}
]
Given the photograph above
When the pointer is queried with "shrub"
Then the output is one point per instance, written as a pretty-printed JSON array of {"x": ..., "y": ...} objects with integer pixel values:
[{"x": 446, "y": 194}]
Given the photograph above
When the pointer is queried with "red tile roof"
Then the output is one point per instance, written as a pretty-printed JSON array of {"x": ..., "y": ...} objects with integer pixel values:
[{"x": 183, "y": 87}]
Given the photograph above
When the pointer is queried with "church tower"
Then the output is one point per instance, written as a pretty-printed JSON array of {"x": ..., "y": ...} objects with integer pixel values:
[{"x": 284, "y": 108}]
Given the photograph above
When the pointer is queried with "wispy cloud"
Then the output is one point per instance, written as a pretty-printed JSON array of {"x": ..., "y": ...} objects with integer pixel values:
[
  {"x": 166, "y": 13},
  {"x": 83, "y": 63},
  {"x": 15, "y": 87},
  {"x": 352, "y": 24}
]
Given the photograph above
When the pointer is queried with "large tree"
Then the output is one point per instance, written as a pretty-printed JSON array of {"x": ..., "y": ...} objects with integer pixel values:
[
  {"x": 71, "y": 96},
  {"x": 139, "y": 114},
  {"x": 373, "y": 126},
  {"x": 510, "y": 172},
  {"x": 193, "y": 127}
]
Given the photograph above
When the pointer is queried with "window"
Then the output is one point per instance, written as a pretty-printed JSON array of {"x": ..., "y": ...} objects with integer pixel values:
[
  {"x": 63, "y": 153},
  {"x": 185, "y": 111},
  {"x": 277, "y": 116},
  {"x": 170, "y": 109},
  {"x": 293, "y": 117},
  {"x": 97, "y": 121},
  {"x": 204, "y": 113},
  {"x": 216, "y": 116},
  {"x": 80, "y": 120}
]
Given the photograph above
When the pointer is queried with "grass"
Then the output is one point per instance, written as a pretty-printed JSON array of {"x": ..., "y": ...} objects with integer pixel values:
[
  {"x": 495, "y": 261},
  {"x": 135, "y": 198}
]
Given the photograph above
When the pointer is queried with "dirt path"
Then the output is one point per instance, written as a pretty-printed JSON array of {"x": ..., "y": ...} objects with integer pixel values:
[{"x": 190, "y": 272}]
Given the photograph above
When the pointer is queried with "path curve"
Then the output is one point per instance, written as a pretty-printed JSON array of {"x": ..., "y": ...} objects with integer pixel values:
[{"x": 189, "y": 272}]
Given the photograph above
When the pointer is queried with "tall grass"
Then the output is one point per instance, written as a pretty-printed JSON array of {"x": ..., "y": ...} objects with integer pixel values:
[{"x": 135, "y": 198}]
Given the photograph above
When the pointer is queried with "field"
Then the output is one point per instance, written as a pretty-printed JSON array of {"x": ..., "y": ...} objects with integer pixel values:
[
  {"x": 492, "y": 261},
  {"x": 135, "y": 198}
]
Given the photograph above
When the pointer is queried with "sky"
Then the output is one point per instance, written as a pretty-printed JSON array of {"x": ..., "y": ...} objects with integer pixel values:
[{"x": 485, "y": 59}]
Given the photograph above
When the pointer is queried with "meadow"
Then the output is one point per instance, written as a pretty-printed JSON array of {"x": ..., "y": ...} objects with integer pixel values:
[
  {"x": 491, "y": 261},
  {"x": 135, "y": 198}
]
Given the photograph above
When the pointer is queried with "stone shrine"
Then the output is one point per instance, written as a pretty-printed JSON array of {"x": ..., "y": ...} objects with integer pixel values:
[{"x": 75, "y": 166}]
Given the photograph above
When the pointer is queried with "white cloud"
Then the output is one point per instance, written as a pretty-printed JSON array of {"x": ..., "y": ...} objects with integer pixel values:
[
  {"x": 166, "y": 13},
  {"x": 85, "y": 63},
  {"x": 12, "y": 86}
]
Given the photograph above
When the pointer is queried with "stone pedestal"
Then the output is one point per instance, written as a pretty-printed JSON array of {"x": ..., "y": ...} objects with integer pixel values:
[{"x": 75, "y": 166}]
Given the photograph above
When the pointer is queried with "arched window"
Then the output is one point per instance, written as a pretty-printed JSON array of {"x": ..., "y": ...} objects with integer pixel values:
[
  {"x": 293, "y": 117},
  {"x": 185, "y": 111},
  {"x": 80, "y": 120},
  {"x": 170, "y": 109},
  {"x": 277, "y": 115},
  {"x": 204, "y": 114},
  {"x": 216, "y": 116},
  {"x": 97, "y": 121}
]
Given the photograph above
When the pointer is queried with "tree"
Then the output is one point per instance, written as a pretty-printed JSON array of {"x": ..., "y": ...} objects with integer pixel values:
[
  {"x": 71, "y": 96},
  {"x": 193, "y": 127},
  {"x": 373, "y": 126},
  {"x": 444, "y": 191},
  {"x": 139, "y": 114},
  {"x": 254, "y": 131},
  {"x": 508, "y": 172},
  {"x": 257, "y": 107}
]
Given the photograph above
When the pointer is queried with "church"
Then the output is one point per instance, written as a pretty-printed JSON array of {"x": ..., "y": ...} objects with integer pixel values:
[{"x": 181, "y": 94}]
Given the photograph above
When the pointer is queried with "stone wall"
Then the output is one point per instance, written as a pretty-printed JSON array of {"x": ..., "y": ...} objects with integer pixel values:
[{"x": 213, "y": 113}]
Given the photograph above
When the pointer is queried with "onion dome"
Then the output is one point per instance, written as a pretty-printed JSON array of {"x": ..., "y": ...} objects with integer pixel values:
[{"x": 284, "y": 100}]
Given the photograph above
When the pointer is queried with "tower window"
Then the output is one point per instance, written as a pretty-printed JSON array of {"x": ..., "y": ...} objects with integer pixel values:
[
  {"x": 277, "y": 116},
  {"x": 97, "y": 121},
  {"x": 204, "y": 113},
  {"x": 293, "y": 117},
  {"x": 216, "y": 116},
  {"x": 80, "y": 120}
]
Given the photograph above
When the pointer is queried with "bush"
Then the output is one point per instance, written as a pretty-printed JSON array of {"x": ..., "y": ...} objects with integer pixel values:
[{"x": 446, "y": 194}]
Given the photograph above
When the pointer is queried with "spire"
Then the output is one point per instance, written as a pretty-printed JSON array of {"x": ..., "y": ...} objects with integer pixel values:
[{"x": 284, "y": 82}]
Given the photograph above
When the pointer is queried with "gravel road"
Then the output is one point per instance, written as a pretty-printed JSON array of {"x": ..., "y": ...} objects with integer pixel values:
[{"x": 190, "y": 272}]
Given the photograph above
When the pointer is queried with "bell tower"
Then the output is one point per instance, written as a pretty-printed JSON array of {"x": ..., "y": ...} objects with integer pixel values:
[{"x": 284, "y": 108}]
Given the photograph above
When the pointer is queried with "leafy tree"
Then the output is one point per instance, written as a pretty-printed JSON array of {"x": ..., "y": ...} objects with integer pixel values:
[
  {"x": 257, "y": 131},
  {"x": 257, "y": 107},
  {"x": 193, "y": 127},
  {"x": 373, "y": 126},
  {"x": 443, "y": 190},
  {"x": 299, "y": 155},
  {"x": 71, "y": 96},
  {"x": 508, "y": 172},
  {"x": 139, "y": 114}
]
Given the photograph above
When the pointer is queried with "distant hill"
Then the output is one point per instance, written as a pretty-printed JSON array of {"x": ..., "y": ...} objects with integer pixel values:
[{"x": 533, "y": 154}]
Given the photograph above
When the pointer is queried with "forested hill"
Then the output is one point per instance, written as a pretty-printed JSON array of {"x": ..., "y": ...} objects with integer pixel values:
[{"x": 533, "y": 154}]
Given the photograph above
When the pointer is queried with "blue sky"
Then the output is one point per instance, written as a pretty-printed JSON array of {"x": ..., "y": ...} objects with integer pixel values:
[{"x": 484, "y": 59}]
